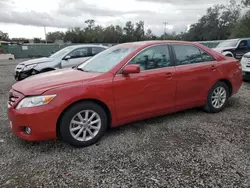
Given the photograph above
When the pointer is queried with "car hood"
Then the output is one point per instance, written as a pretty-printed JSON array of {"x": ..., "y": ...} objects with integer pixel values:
[
  {"x": 38, "y": 84},
  {"x": 222, "y": 49},
  {"x": 38, "y": 60}
]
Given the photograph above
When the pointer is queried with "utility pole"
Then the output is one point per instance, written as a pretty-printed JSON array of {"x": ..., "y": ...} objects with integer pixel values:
[
  {"x": 165, "y": 27},
  {"x": 45, "y": 34}
]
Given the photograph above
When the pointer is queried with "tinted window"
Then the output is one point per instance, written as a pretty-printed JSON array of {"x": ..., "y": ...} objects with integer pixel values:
[
  {"x": 153, "y": 58},
  {"x": 96, "y": 50},
  {"x": 243, "y": 44},
  {"x": 186, "y": 54},
  {"x": 81, "y": 52},
  {"x": 206, "y": 57}
]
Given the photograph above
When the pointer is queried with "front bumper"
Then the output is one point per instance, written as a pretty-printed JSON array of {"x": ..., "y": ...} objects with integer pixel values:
[
  {"x": 42, "y": 120},
  {"x": 24, "y": 74}
]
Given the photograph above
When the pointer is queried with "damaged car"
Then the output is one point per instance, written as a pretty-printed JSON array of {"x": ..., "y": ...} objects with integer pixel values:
[{"x": 67, "y": 57}]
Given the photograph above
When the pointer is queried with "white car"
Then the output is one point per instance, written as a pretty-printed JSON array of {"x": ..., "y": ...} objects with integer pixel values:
[
  {"x": 67, "y": 57},
  {"x": 245, "y": 63}
]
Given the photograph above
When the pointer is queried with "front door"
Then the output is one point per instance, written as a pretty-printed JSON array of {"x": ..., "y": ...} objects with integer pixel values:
[
  {"x": 77, "y": 57},
  {"x": 150, "y": 91},
  {"x": 196, "y": 71}
]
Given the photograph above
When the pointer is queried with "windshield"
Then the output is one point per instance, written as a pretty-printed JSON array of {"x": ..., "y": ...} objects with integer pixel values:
[
  {"x": 228, "y": 43},
  {"x": 61, "y": 53},
  {"x": 106, "y": 60}
]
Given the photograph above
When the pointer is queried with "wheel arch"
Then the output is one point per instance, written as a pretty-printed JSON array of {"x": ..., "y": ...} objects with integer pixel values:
[
  {"x": 228, "y": 53},
  {"x": 99, "y": 102},
  {"x": 47, "y": 69},
  {"x": 229, "y": 84}
]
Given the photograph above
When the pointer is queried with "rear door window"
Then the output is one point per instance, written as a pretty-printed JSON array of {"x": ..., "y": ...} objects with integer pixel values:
[
  {"x": 78, "y": 53},
  {"x": 96, "y": 50},
  {"x": 187, "y": 54}
]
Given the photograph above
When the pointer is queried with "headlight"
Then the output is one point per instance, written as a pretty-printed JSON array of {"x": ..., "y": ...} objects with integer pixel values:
[
  {"x": 29, "y": 102},
  {"x": 243, "y": 60},
  {"x": 28, "y": 67}
]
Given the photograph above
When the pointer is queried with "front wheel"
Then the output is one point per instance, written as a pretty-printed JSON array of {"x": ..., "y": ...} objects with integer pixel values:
[
  {"x": 217, "y": 98},
  {"x": 83, "y": 124}
]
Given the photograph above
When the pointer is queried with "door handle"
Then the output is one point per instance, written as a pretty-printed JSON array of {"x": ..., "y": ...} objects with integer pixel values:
[
  {"x": 213, "y": 67},
  {"x": 168, "y": 75}
]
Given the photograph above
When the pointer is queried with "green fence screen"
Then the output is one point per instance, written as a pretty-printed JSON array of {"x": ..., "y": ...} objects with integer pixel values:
[{"x": 44, "y": 50}]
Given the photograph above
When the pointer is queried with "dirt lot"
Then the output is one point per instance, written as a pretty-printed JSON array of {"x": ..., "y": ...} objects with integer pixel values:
[{"x": 186, "y": 149}]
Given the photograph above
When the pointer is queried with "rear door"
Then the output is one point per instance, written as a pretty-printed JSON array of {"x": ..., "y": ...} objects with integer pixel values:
[{"x": 196, "y": 71}]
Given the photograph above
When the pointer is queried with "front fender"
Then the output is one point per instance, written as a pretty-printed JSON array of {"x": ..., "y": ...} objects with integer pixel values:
[{"x": 51, "y": 64}]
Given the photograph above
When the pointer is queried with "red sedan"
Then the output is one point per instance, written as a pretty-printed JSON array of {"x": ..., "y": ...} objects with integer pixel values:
[{"x": 124, "y": 83}]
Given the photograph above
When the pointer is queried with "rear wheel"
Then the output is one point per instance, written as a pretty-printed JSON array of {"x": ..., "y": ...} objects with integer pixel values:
[
  {"x": 217, "y": 98},
  {"x": 83, "y": 124}
]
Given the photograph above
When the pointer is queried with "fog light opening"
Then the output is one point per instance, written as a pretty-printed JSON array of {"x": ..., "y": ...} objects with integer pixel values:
[{"x": 27, "y": 130}]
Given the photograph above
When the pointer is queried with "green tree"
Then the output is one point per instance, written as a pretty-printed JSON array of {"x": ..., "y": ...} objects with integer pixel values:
[
  {"x": 139, "y": 31},
  {"x": 149, "y": 35},
  {"x": 37, "y": 40},
  {"x": 217, "y": 24},
  {"x": 246, "y": 3},
  {"x": 4, "y": 36},
  {"x": 54, "y": 36},
  {"x": 129, "y": 32},
  {"x": 242, "y": 28}
]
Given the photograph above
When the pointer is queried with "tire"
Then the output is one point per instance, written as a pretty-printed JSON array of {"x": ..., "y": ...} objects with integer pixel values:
[
  {"x": 66, "y": 126},
  {"x": 46, "y": 70},
  {"x": 229, "y": 55},
  {"x": 210, "y": 105}
]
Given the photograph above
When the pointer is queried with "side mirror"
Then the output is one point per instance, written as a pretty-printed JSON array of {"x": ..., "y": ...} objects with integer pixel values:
[
  {"x": 67, "y": 57},
  {"x": 131, "y": 69}
]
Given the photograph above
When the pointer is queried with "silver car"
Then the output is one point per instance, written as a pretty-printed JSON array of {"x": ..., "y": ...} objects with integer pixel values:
[{"x": 66, "y": 57}]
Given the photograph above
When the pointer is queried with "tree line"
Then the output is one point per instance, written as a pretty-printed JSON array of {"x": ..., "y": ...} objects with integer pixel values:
[{"x": 219, "y": 23}]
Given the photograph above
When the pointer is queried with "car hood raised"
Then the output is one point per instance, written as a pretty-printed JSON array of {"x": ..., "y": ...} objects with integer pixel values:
[
  {"x": 38, "y": 84},
  {"x": 38, "y": 60}
]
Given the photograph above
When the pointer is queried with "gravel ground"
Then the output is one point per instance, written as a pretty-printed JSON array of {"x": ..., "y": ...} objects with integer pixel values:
[{"x": 185, "y": 149}]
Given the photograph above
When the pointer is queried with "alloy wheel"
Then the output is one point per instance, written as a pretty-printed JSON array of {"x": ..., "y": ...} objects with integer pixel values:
[
  {"x": 85, "y": 125},
  {"x": 219, "y": 97}
]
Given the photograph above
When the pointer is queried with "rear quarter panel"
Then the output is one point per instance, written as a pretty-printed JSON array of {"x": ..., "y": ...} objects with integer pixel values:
[{"x": 230, "y": 69}]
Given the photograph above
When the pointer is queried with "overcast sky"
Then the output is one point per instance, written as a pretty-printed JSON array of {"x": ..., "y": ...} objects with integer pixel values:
[{"x": 26, "y": 18}]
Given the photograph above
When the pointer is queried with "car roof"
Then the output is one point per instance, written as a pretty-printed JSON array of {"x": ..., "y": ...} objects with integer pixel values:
[
  {"x": 87, "y": 45},
  {"x": 153, "y": 42}
]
